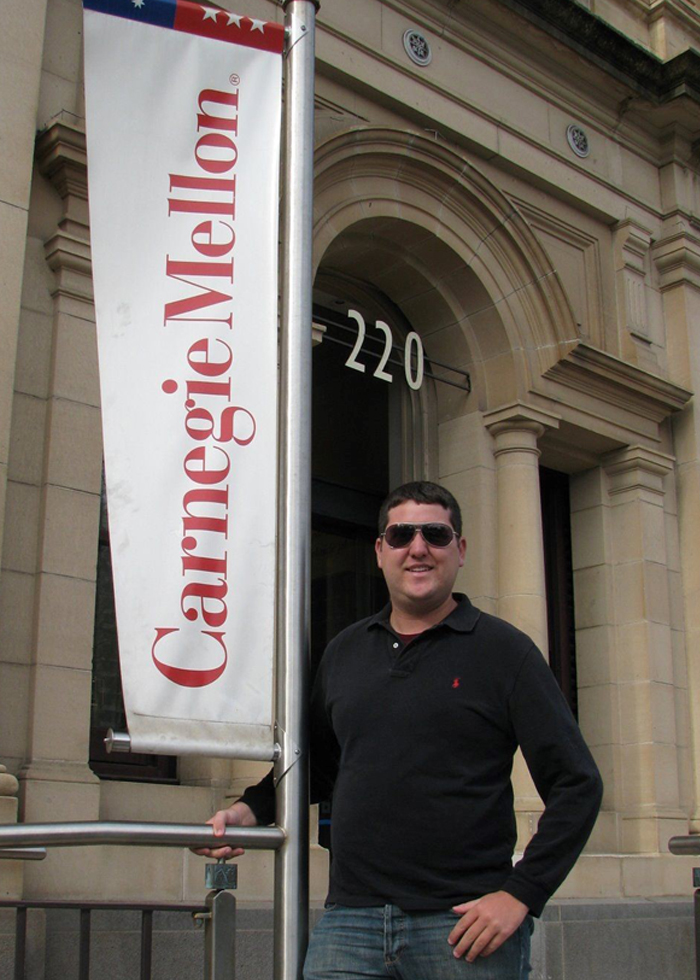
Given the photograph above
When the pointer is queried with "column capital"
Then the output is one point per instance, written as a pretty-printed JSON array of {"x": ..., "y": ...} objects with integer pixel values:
[
  {"x": 637, "y": 469},
  {"x": 677, "y": 259},
  {"x": 61, "y": 155},
  {"x": 631, "y": 244},
  {"x": 518, "y": 417},
  {"x": 631, "y": 241}
]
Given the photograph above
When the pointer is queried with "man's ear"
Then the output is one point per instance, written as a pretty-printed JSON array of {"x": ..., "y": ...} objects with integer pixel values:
[
  {"x": 378, "y": 551},
  {"x": 462, "y": 550}
]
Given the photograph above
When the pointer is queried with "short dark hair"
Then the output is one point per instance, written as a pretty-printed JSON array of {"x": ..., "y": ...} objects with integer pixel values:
[{"x": 421, "y": 492}]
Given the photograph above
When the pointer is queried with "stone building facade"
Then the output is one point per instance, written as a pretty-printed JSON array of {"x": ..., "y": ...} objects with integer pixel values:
[{"x": 515, "y": 184}]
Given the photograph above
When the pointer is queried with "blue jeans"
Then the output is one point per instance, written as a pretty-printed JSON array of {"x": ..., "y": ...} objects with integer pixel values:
[{"x": 369, "y": 943}]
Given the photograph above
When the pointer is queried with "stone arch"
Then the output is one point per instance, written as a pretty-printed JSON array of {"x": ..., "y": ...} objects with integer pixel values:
[{"x": 449, "y": 249}]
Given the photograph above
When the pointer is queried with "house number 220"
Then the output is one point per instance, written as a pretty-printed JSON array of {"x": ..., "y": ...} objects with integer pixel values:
[{"x": 413, "y": 344}]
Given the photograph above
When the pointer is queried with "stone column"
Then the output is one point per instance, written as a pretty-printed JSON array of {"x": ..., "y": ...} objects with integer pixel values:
[
  {"x": 677, "y": 258},
  {"x": 56, "y": 781},
  {"x": 21, "y": 52},
  {"x": 647, "y": 788},
  {"x": 522, "y": 598}
]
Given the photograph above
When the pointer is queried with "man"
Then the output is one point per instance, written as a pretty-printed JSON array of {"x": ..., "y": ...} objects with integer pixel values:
[{"x": 416, "y": 715}]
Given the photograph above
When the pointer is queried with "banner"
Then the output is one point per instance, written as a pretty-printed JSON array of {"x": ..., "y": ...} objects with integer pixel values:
[{"x": 183, "y": 106}]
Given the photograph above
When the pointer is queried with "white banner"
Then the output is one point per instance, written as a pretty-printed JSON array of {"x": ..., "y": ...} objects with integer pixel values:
[{"x": 183, "y": 126}]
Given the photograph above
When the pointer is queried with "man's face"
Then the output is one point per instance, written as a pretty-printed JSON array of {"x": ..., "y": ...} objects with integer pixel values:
[{"x": 420, "y": 577}]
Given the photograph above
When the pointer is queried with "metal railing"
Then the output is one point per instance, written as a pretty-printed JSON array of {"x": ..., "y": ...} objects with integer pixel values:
[
  {"x": 86, "y": 908},
  {"x": 218, "y": 911},
  {"x": 690, "y": 845}
]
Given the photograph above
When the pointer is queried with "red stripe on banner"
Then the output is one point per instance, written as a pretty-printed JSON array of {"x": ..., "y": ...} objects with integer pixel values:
[{"x": 206, "y": 21}]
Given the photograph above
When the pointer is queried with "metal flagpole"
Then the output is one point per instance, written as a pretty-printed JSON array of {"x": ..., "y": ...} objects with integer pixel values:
[{"x": 291, "y": 768}]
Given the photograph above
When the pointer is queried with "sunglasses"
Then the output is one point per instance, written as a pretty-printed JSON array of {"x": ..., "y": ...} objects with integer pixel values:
[{"x": 436, "y": 535}]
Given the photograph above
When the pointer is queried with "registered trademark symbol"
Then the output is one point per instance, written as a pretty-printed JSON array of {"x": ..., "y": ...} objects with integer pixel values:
[{"x": 234, "y": 79}]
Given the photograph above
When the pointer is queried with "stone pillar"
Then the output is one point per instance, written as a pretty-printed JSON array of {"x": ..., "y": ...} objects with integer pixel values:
[
  {"x": 10, "y": 871},
  {"x": 522, "y": 598},
  {"x": 56, "y": 781},
  {"x": 647, "y": 791},
  {"x": 677, "y": 258},
  {"x": 21, "y": 52},
  {"x": 468, "y": 470}
]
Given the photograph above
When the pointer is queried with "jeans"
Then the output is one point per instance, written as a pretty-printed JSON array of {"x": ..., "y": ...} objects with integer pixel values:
[{"x": 369, "y": 943}]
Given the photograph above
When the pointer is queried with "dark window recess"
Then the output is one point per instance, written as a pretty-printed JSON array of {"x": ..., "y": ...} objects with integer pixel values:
[
  {"x": 559, "y": 578},
  {"x": 352, "y": 440},
  {"x": 107, "y": 699}
]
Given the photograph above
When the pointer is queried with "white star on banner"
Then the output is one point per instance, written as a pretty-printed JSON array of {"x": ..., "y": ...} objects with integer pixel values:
[
  {"x": 234, "y": 19},
  {"x": 209, "y": 13},
  {"x": 138, "y": 3},
  {"x": 258, "y": 25}
]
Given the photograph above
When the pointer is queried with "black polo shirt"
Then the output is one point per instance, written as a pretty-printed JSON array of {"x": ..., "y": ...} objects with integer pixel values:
[{"x": 417, "y": 741}]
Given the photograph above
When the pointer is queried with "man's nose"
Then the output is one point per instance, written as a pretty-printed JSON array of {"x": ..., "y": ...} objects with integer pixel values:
[{"x": 418, "y": 545}]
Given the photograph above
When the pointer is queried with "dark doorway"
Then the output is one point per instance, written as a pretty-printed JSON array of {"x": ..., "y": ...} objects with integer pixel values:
[
  {"x": 559, "y": 578},
  {"x": 350, "y": 478}
]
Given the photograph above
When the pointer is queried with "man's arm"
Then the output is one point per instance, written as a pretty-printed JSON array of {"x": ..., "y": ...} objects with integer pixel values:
[
  {"x": 568, "y": 781},
  {"x": 566, "y": 777},
  {"x": 257, "y": 805}
]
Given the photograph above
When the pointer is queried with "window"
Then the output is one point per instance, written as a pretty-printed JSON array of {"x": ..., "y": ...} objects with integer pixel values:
[{"x": 107, "y": 709}]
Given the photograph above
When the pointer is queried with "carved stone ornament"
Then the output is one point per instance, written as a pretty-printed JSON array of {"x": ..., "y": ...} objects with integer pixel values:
[
  {"x": 578, "y": 141},
  {"x": 417, "y": 47}
]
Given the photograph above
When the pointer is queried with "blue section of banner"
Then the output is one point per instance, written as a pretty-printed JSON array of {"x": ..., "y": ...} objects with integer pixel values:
[{"x": 158, "y": 12}]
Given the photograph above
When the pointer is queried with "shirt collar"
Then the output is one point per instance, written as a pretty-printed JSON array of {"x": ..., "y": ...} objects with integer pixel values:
[{"x": 462, "y": 619}]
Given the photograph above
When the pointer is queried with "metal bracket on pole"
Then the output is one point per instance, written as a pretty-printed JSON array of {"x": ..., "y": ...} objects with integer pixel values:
[
  {"x": 289, "y": 754},
  {"x": 117, "y": 741},
  {"x": 316, "y": 3},
  {"x": 297, "y": 29}
]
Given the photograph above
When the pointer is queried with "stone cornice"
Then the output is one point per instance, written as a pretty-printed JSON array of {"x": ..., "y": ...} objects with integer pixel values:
[
  {"x": 518, "y": 415},
  {"x": 61, "y": 155},
  {"x": 618, "y": 383},
  {"x": 677, "y": 258},
  {"x": 633, "y": 238},
  {"x": 612, "y": 51},
  {"x": 637, "y": 469}
]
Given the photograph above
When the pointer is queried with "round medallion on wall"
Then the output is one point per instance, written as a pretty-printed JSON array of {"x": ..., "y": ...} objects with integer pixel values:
[
  {"x": 417, "y": 47},
  {"x": 578, "y": 141}
]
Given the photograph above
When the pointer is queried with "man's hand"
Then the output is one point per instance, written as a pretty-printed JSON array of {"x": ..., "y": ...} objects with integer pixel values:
[
  {"x": 237, "y": 815},
  {"x": 485, "y": 924}
]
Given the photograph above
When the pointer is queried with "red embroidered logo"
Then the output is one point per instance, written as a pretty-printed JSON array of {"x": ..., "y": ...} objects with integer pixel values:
[{"x": 455, "y": 682}]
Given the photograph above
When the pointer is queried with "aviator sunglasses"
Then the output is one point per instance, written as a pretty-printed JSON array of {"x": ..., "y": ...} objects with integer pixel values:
[{"x": 436, "y": 535}]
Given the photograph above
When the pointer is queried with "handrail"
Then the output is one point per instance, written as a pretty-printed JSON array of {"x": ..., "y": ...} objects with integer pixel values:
[
  {"x": 685, "y": 845},
  {"x": 23, "y": 853},
  {"x": 219, "y": 918},
  {"x": 86, "y": 832}
]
